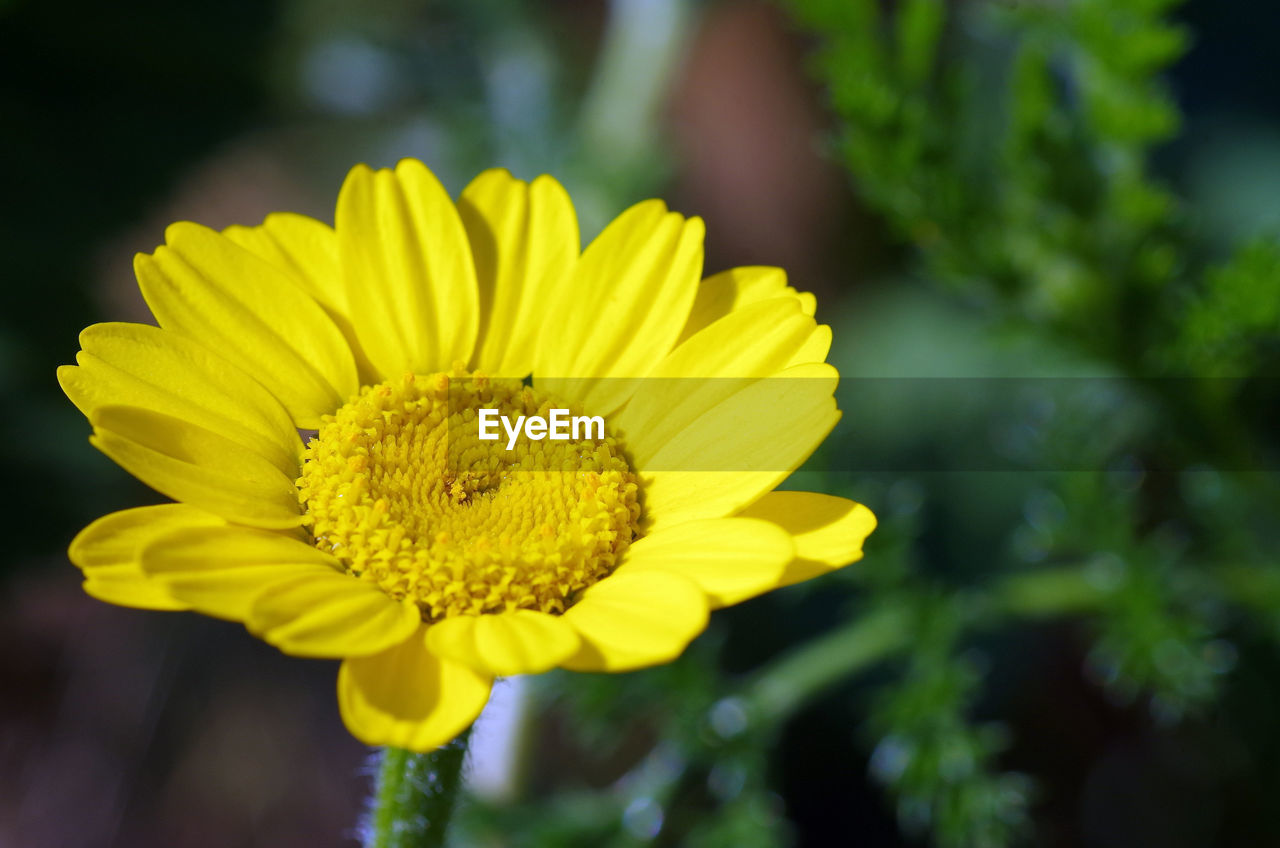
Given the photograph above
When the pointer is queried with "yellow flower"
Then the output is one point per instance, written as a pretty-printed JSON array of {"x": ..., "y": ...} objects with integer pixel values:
[{"x": 394, "y": 539}]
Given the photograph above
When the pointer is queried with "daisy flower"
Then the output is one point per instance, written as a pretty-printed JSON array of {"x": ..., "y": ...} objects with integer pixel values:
[{"x": 309, "y": 401}]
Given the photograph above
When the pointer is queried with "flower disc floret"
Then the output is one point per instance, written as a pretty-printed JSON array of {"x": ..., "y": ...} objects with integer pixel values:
[{"x": 399, "y": 487}]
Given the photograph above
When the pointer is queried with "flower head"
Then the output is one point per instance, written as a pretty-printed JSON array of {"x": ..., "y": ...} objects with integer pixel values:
[{"x": 398, "y": 539}]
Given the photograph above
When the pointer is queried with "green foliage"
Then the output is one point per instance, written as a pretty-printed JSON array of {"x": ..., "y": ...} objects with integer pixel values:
[
  {"x": 1230, "y": 328},
  {"x": 1009, "y": 144},
  {"x": 1013, "y": 153},
  {"x": 704, "y": 778},
  {"x": 929, "y": 755}
]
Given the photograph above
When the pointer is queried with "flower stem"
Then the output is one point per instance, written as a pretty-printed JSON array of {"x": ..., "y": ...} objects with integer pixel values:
[
  {"x": 794, "y": 679},
  {"x": 414, "y": 796}
]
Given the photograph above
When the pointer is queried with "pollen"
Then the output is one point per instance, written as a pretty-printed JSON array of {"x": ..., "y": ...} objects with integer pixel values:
[{"x": 398, "y": 486}]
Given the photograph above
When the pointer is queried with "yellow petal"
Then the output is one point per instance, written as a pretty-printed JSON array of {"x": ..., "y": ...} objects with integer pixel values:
[
  {"x": 331, "y": 614},
  {"x": 524, "y": 238},
  {"x": 197, "y": 466},
  {"x": 123, "y": 587},
  {"x": 730, "y": 290},
  {"x": 630, "y": 621},
  {"x": 517, "y": 642},
  {"x": 709, "y": 368},
  {"x": 307, "y": 249},
  {"x": 777, "y": 330},
  {"x": 730, "y": 559},
  {"x": 408, "y": 271},
  {"x": 626, "y": 304},
  {"x": 304, "y": 246},
  {"x": 145, "y": 366},
  {"x": 815, "y": 348},
  {"x": 828, "y": 531},
  {"x": 107, "y": 552},
  {"x": 741, "y": 448},
  {"x": 407, "y": 697},
  {"x": 203, "y": 285},
  {"x": 221, "y": 571}
]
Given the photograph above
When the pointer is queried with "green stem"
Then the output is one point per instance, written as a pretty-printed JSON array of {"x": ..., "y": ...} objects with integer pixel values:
[
  {"x": 414, "y": 796},
  {"x": 1047, "y": 593},
  {"x": 794, "y": 679},
  {"x": 790, "y": 681}
]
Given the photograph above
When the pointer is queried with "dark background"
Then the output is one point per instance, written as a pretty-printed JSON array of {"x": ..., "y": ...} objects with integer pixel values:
[{"x": 125, "y": 728}]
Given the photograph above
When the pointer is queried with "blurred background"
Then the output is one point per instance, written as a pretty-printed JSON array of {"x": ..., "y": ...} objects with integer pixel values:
[{"x": 1077, "y": 647}]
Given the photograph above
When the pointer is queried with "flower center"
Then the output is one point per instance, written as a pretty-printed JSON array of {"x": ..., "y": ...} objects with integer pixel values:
[{"x": 400, "y": 488}]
